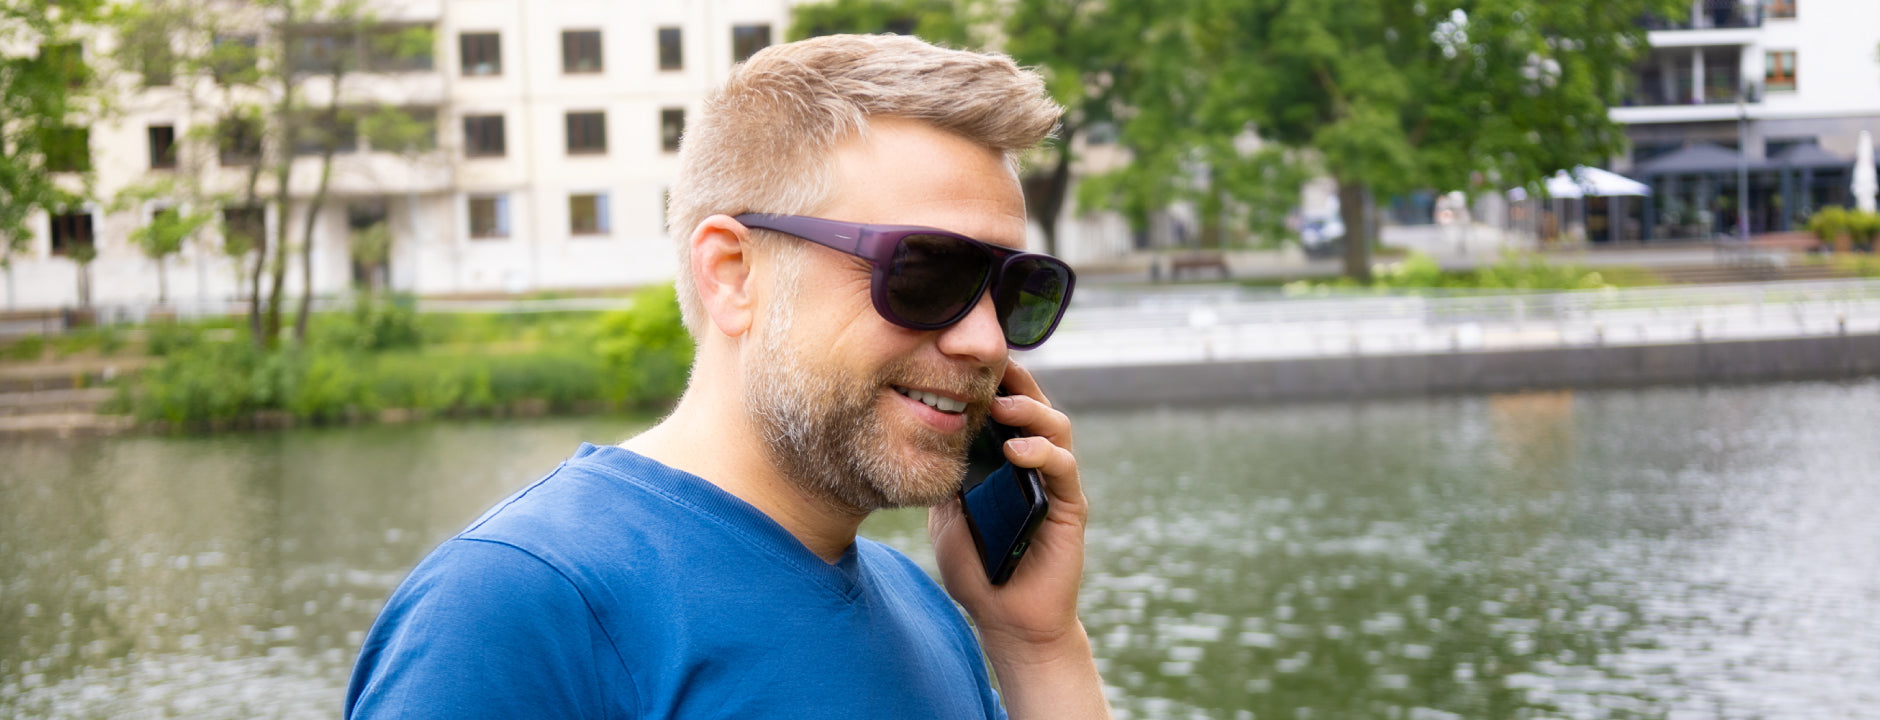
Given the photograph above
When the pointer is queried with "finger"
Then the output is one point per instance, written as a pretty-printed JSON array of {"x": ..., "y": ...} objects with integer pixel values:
[
  {"x": 1057, "y": 466},
  {"x": 1018, "y": 381},
  {"x": 1034, "y": 418}
]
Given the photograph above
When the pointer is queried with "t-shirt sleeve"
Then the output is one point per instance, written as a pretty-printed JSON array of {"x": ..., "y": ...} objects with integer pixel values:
[{"x": 484, "y": 630}]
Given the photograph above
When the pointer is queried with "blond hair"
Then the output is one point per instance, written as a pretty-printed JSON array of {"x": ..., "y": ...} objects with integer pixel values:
[{"x": 764, "y": 140}]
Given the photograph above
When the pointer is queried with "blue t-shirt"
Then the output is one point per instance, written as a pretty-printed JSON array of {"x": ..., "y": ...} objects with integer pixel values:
[{"x": 617, "y": 587}]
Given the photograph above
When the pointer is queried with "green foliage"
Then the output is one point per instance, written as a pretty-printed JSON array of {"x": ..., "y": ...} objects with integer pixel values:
[
  {"x": 1867, "y": 265},
  {"x": 29, "y": 347},
  {"x": 1382, "y": 96},
  {"x": 1863, "y": 226},
  {"x": 43, "y": 97},
  {"x": 371, "y": 326},
  {"x": 374, "y": 357},
  {"x": 1514, "y": 271},
  {"x": 646, "y": 350},
  {"x": 1828, "y": 223},
  {"x": 936, "y": 21}
]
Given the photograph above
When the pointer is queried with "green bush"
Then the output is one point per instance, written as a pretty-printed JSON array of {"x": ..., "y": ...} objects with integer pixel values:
[
  {"x": 370, "y": 359},
  {"x": 1514, "y": 271},
  {"x": 371, "y": 325},
  {"x": 1862, "y": 226},
  {"x": 29, "y": 347},
  {"x": 1828, "y": 223},
  {"x": 646, "y": 351}
]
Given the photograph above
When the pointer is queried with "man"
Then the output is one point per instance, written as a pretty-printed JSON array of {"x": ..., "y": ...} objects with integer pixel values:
[{"x": 709, "y": 568}]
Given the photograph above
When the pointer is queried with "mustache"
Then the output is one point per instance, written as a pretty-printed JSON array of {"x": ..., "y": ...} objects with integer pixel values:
[{"x": 978, "y": 385}]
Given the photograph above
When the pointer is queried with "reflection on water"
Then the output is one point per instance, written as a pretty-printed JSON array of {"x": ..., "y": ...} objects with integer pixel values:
[{"x": 1660, "y": 553}]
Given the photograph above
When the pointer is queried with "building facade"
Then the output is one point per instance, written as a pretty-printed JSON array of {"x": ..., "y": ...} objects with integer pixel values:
[
  {"x": 555, "y": 126},
  {"x": 1744, "y": 119}
]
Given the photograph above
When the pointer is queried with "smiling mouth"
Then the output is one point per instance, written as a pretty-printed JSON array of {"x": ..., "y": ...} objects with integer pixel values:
[{"x": 938, "y": 402}]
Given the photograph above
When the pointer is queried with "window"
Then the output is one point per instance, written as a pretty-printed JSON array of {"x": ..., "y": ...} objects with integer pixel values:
[
  {"x": 746, "y": 40},
  {"x": 587, "y": 214},
  {"x": 482, "y": 53},
  {"x": 587, "y": 133},
  {"x": 162, "y": 147},
  {"x": 68, "y": 149},
  {"x": 244, "y": 226},
  {"x": 1779, "y": 70},
  {"x": 671, "y": 128},
  {"x": 317, "y": 133},
  {"x": 489, "y": 216},
  {"x": 322, "y": 50},
  {"x": 71, "y": 231},
  {"x": 156, "y": 63},
  {"x": 483, "y": 136},
  {"x": 238, "y": 141},
  {"x": 398, "y": 48},
  {"x": 1779, "y": 8},
  {"x": 580, "y": 51},
  {"x": 671, "y": 51},
  {"x": 232, "y": 58},
  {"x": 68, "y": 60}
]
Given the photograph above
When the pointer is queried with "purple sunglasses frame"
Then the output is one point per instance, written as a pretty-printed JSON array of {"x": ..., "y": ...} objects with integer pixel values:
[{"x": 876, "y": 244}]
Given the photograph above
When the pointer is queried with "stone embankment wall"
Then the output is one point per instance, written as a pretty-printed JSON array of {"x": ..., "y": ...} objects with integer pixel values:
[{"x": 1373, "y": 376}]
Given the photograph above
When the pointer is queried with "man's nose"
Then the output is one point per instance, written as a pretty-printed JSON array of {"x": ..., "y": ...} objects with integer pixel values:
[{"x": 976, "y": 336}]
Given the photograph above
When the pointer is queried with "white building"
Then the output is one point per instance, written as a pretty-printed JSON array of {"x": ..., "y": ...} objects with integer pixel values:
[
  {"x": 1773, "y": 91},
  {"x": 557, "y": 122}
]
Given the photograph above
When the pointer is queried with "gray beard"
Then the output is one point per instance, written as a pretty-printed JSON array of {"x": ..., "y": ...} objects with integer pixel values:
[{"x": 827, "y": 434}]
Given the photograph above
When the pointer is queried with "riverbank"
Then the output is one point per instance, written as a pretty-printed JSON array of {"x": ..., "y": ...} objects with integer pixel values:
[{"x": 1460, "y": 373}]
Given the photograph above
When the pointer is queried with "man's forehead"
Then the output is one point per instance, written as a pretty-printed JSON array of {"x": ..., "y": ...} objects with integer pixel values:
[{"x": 904, "y": 172}]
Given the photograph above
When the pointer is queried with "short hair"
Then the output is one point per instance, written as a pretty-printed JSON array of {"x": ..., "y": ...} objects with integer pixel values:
[{"x": 764, "y": 140}]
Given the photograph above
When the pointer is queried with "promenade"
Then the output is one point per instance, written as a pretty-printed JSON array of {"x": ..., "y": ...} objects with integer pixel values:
[{"x": 1124, "y": 345}]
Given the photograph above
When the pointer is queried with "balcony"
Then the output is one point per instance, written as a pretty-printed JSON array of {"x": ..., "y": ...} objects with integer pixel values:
[{"x": 1712, "y": 15}]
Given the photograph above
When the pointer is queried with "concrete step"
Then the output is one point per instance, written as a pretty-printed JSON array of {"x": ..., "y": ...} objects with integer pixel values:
[
  {"x": 1710, "y": 274},
  {"x": 67, "y": 374},
  {"x": 63, "y": 424},
  {"x": 36, "y": 402}
]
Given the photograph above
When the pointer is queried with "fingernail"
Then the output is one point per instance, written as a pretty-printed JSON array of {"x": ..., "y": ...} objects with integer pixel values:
[
  {"x": 1004, "y": 402},
  {"x": 1019, "y": 444}
]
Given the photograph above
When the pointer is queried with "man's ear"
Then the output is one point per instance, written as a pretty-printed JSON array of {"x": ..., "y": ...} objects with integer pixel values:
[{"x": 722, "y": 272}]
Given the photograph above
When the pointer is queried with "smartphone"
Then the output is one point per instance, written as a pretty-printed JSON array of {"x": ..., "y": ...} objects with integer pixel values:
[{"x": 1004, "y": 503}]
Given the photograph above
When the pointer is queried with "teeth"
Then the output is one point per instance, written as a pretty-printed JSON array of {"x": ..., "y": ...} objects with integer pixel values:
[{"x": 937, "y": 402}]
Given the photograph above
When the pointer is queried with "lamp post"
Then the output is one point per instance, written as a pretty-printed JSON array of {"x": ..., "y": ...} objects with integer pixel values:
[{"x": 1742, "y": 165}]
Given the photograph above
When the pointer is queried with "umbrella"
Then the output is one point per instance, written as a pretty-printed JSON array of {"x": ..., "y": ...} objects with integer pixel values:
[
  {"x": 1864, "y": 184},
  {"x": 1593, "y": 182}
]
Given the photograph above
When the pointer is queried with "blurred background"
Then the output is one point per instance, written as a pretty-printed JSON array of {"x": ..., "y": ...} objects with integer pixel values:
[{"x": 1456, "y": 360}]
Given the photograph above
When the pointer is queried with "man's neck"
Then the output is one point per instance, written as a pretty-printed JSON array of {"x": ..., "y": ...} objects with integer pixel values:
[{"x": 694, "y": 439}]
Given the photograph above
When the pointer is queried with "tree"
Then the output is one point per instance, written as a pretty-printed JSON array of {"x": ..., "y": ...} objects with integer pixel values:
[
  {"x": 168, "y": 228},
  {"x": 937, "y": 21},
  {"x": 41, "y": 95},
  {"x": 1383, "y": 97},
  {"x": 275, "y": 74}
]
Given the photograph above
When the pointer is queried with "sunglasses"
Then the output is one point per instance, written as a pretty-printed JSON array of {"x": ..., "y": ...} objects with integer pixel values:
[{"x": 927, "y": 279}]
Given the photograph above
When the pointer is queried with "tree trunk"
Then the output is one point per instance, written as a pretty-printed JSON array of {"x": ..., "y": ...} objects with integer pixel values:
[
  {"x": 314, "y": 205},
  {"x": 1351, "y": 211},
  {"x": 1045, "y": 193},
  {"x": 163, "y": 283}
]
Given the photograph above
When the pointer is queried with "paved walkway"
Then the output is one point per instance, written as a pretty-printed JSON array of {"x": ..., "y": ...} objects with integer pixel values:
[{"x": 1198, "y": 324}]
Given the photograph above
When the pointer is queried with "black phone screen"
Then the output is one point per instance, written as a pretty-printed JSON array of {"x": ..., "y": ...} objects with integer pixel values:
[{"x": 1004, "y": 503}]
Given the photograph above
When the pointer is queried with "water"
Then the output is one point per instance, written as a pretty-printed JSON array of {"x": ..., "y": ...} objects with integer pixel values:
[{"x": 1665, "y": 553}]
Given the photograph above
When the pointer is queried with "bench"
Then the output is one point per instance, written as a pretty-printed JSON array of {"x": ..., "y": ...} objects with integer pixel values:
[{"x": 1198, "y": 261}]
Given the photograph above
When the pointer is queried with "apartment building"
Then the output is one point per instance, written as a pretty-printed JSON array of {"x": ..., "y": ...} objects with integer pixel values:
[
  {"x": 1761, "y": 101},
  {"x": 556, "y": 125}
]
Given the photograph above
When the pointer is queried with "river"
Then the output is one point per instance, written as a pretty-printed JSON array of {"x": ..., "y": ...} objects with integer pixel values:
[{"x": 1659, "y": 553}]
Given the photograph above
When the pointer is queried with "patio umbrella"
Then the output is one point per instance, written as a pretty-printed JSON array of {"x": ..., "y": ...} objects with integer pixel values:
[
  {"x": 1593, "y": 182},
  {"x": 1864, "y": 183}
]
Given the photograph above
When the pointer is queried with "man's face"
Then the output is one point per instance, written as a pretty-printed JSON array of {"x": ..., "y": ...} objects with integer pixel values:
[{"x": 856, "y": 409}]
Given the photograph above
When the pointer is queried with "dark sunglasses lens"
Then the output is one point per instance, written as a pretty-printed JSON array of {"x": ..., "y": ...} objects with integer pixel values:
[
  {"x": 934, "y": 278},
  {"x": 1030, "y": 299}
]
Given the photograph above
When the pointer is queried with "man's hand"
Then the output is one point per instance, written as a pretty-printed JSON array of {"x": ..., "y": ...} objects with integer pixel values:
[{"x": 1029, "y": 626}]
